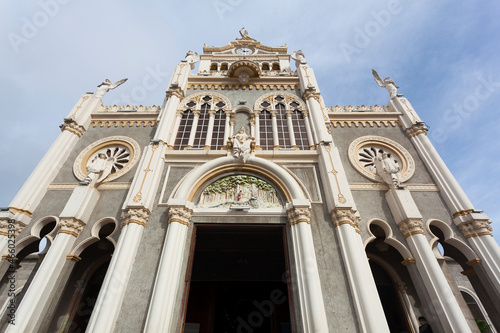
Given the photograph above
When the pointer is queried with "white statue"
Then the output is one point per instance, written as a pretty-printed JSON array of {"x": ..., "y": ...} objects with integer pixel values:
[
  {"x": 244, "y": 34},
  {"x": 388, "y": 170},
  {"x": 192, "y": 58},
  {"x": 98, "y": 169},
  {"x": 241, "y": 145},
  {"x": 299, "y": 57},
  {"x": 387, "y": 83},
  {"x": 106, "y": 86}
]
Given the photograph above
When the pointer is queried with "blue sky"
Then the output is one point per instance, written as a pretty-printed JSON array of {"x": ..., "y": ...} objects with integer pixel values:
[{"x": 443, "y": 55}]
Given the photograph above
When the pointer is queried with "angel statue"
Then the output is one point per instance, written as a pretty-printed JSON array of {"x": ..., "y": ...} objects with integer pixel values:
[
  {"x": 106, "y": 86},
  {"x": 299, "y": 58},
  {"x": 387, "y": 83},
  {"x": 241, "y": 145},
  {"x": 192, "y": 58},
  {"x": 388, "y": 170},
  {"x": 244, "y": 33},
  {"x": 98, "y": 169}
]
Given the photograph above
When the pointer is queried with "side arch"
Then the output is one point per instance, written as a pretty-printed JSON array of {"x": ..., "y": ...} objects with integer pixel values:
[
  {"x": 389, "y": 237},
  {"x": 449, "y": 237},
  {"x": 36, "y": 233},
  {"x": 94, "y": 232}
]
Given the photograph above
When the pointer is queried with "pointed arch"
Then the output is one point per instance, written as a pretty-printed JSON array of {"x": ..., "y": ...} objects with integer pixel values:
[{"x": 389, "y": 237}]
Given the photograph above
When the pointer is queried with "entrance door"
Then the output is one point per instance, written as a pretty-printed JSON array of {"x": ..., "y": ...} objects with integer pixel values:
[{"x": 238, "y": 280}]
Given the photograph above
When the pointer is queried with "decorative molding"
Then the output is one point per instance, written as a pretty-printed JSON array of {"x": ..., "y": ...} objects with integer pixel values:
[
  {"x": 299, "y": 214},
  {"x": 217, "y": 86},
  {"x": 135, "y": 215},
  {"x": 20, "y": 211},
  {"x": 105, "y": 186},
  {"x": 72, "y": 126},
  {"x": 417, "y": 129},
  {"x": 70, "y": 225},
  {"x": 411, "y": 227},
  {"x": 476, "y": 228},
  {"x": 86, "y": 155},
  {"x": 385, "y": 187},
  {"x": 180, "y": 215},
  {"x": 73, "y": 257},
  {"x": 312, "y": 94},
  {"x": 122, "y": 123},
  {"x": 408, "y": 261},
  {"x": 365, "y": 123},
  {"x": 345, "y": 215},
  {"x": 178, "y": 92},
  {"x": 462, "y": 212},
  {"x": 362, "y": 108},
  {"x": 129, "y": 108},
  {"x": 474, "y": 262},
  {"x": 9, "y": 227},
  {"x": 396, "y": 150}
]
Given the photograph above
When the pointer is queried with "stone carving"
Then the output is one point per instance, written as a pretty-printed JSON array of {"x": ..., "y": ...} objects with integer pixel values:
[
  {"x": 244, "y": 33},
  {"x": 411, "y": 227},
  {"x": 388, "y": 169},
  {"x": 135, "y": 215},
  {"x": 299, "y": 214},
  {"x": 241, "y": 145},
  {"x": 387, "y": 83},
  {"x": 72, "y": 126},
  {"x": 180, "y": 215},
  {"x": 10, "y": 227},
  {"x": 98, "y": 169},
  {"x": 192, "y": 58},
  {"x": 299, "y": 57},
  {"x": 241, "y": 191},
  {"x": 345, "y": 215},
  {"x": 244, "y": 78},
  {"x": 70, "y": 225},
  {"x": 106, "y": 86},
  {"x": 476, "y": 228}
]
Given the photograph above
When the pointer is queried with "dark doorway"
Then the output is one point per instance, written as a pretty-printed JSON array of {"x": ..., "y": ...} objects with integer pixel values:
[
  {"x": 391, "y": 302},
  {"x": 238, "y": 280}
]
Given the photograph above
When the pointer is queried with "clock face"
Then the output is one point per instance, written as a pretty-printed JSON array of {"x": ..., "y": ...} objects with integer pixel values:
[{"x": 244, "y": 51}]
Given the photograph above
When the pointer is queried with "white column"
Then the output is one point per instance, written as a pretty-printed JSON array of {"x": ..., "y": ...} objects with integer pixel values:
[
  {"x": 136, "y": 210},
  {"x": 257, "y": 129},
  {"x": 36, "y": 299},
  {"x": 162, "y": 306},
  {"x": 274, "y": 123},
  {"x": 112, "y": 293},
  {"x": 317, "y": 117},
  {"x": 168, "y": 115},
  {"x": 409, "y": 220},
  {"x": 312, "y": 144},
  {"x": 369, "y": 309},
  {"x": 227, "y": 128},
  {"x": 210, "y": 130},
  {"x": 173, "y": 134},
  {"x": 194, "y": 127},
  {"x": 310, "y": 296},
  {"x": 293, "y": 144}
]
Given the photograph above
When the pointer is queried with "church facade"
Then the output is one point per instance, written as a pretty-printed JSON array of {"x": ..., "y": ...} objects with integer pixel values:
[{"x": 244, "y": 204}]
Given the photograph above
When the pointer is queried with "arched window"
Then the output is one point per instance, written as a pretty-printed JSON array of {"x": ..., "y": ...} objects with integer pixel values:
[
  {"x": 184, "y": 130},
  {"x": 223, "y": 67},
  {"x": 276, "y": 66},
  {"x": 283, "y": 132},
  {"x": 265, "y": 66},
  {"x": 299, "y": 129},
  {"x": 213, "y": 66},
  {"x": 218, "y": 133},
  {"x": 266, "y": 130},
  {"x": 201, "y": 130}
]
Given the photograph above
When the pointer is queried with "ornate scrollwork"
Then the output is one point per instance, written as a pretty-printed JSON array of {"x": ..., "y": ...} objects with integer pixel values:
[
  {"x": 476, "y": 228},
  {"x": 71, "y": 225},
  {"x": 180, "y": 215},
  {"x": 410, "y": 227},
  {"x": 345, "y": 215},
  {"x": 72, "y": 126},
  {"x": 135, "y": 215},
  {"x": 299, "y": 214}
]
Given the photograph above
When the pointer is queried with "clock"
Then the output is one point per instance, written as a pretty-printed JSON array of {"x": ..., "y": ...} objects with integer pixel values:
[{"x": 244, "y": 51}]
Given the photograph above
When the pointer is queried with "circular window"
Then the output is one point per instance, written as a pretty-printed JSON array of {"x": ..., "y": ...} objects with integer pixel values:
[
  {"x": 364, "y": 150},
  {"x": 122, "y": 151}
]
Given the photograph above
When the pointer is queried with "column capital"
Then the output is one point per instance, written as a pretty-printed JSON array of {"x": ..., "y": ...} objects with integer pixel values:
[
  {"x": 311, "y": 93},
  {"x": 416, "y": 129},
  {"x": 299, "y": 214},
  {"x": 476, "y": 228},
  {"x": 212, "y": 113},
  {"x": 289, "y": 112},
  {"x": 72, "y": 126},
  {"x": 135, "y": 215},
  {"x": 11, "y": 227},
  {"x": 177, "y": 91},
  {"x": 305, "y": 113},
  {"x": 180, "y": 214},
  {"x": 196, "y": 113},
  {"x": 179, "y": 113},
  {"x": 345, "y": 215},
  {"x": 273, "y": 113},
  {"x": 70, "y": 225},
  {"x": 411, "y": 226}
]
